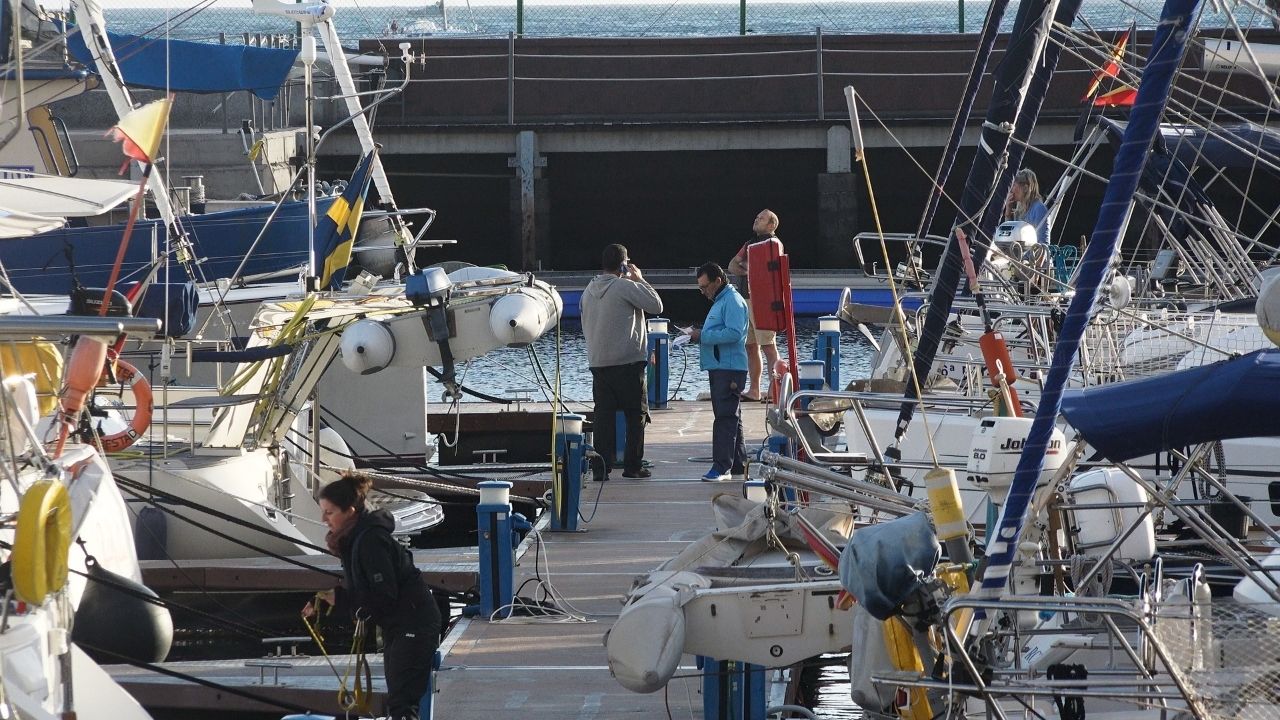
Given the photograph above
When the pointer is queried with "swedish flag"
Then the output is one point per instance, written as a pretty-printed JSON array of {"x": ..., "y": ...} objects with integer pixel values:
[{"x": 336, "y": 229}]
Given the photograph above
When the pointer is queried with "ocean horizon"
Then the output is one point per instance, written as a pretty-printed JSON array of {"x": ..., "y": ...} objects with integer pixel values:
[{"x": 230, "y": 20}]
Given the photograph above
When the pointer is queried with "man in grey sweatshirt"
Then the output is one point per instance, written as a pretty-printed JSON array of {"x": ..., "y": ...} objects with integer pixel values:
[{"x": 613, "y": 308}]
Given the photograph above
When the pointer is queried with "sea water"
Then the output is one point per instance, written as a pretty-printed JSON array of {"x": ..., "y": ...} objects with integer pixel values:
[
  {"x": 556, "y": 365},
  {"x": 588, "y": 18}
]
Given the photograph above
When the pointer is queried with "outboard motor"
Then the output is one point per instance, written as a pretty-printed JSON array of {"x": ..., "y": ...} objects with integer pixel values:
[
  {"x": 431, "y": 289},
  {"x": 995, "y": 450},
  {"x": 115, "y": 620}
]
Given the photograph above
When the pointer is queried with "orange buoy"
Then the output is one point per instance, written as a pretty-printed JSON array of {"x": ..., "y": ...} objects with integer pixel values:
[
  {"x": 144, "y": 405},
  {"x": 87, "y": 360}
]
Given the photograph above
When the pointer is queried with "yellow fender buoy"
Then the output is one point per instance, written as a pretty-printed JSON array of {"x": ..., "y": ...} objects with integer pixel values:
[
  {"x": 42, "y": 541},
  {"x": 904, "y": 656}
]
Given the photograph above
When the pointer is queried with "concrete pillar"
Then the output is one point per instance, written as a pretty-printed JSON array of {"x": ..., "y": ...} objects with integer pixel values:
[
  {"x": 838, "y": 199},
  {"x": 529, "y": 202},
  {"x": 839, "y": 149}
]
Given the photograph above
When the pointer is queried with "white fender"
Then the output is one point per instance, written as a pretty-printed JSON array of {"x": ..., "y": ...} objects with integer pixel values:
[
  {"x": 645, "y": 644},
  {"x": 520, "y": 318},
  {"x": 23, "y": 399},
  {"x": 367, "y": 347}
]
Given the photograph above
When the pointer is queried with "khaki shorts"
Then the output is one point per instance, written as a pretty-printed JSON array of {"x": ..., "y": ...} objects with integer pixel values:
[{"x": 758, "y": 337}]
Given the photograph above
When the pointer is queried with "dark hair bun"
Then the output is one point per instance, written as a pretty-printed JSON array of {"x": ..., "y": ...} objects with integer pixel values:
[{"x": 361, "y": 482}]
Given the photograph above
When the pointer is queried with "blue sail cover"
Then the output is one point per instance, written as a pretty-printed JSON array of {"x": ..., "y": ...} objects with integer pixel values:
[
  {"x": 1229, "y": 399},
  {"x": 186, "y": 66},
  {"x": 52, "y": 262}
]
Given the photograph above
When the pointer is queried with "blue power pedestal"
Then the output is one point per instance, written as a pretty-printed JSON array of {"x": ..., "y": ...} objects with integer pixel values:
[
  {"x": 659, "y": 354},
  {"x": 779, "y": 445},
  {"x": 732, "y": 690},
  {"x": 499, "y": 534},
  {"x": 827, "y": 349},
  {"x": 566, "y": 490}
]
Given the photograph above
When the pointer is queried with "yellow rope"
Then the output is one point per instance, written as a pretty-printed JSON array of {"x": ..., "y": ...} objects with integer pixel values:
[
  {"x": 899, "y": 316},
  {"x": 285, "y": 334},
  {"x": 357, "y": 698}
]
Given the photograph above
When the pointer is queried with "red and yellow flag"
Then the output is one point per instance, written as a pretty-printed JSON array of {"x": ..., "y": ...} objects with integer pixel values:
[
  {"x": 141, "y": 130},
  {"x": 1122, "y": 96},
  {"x": 1112, "y": 67}
]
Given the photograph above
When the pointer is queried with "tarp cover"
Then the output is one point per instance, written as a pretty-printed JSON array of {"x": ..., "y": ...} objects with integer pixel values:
[
  {"x": 884, "y": 563},
  {"x": 63, "y": 197},
  {"x": 185, "y": 66},
  {"x": 1229, "y": 399},
  {"x": 15, "y": 223}
]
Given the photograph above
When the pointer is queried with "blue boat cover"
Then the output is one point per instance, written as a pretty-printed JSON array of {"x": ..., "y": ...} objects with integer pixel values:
[
  {"x": 53, "y": 262},
  {"x": 1229, "y": 399},
  {"x": 884, "y": 563},
  {"x": 186, "y": 66}
]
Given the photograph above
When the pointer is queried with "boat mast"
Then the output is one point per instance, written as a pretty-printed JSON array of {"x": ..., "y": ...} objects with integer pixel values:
[
  {"x": 986, "y": 41},
  {"x": 1167, "y": 51},
  {"x": 92, "y": 27},
  {"x": 319, "y": 17},
  {"x": 1027, "y": 118},
  {"x": 1013, "y": 80},
  {"x": 359, "y": 121}
]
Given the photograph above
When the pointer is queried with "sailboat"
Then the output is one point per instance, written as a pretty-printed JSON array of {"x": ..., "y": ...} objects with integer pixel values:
[
  {"x": 59, "y": 594},
  {"x": 232, "y": 471},
  {"x": 1085, "y": 600}
]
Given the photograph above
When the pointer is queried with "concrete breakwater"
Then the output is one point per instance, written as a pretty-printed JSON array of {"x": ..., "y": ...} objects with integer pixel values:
[{"x": 539, "y": 151}]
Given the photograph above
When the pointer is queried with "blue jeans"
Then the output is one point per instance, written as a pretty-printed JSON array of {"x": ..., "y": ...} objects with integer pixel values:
[{"x": 728, "y": 452}]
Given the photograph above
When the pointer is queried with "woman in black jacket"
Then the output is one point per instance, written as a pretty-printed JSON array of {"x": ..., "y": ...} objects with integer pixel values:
[{"x": 380, "y": 581}]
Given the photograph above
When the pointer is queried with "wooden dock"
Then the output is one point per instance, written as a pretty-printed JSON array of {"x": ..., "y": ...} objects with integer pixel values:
[
  {"x": 517, "y": 667},
  {"x": 451, "y": 569},
  {"x": 560, "y": 670}
]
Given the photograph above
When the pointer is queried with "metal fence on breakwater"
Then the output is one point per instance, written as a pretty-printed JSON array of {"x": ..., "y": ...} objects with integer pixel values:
[{"x": 230, "y": 20}]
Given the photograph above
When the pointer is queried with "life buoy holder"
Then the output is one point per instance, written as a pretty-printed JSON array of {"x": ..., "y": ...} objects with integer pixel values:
[
  {"x": 42, "y": 541},
  {"x": 144, "y": 405}
]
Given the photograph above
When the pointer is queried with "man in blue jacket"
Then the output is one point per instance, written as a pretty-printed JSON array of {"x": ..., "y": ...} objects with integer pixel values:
[{"x": 722, "y": 352}]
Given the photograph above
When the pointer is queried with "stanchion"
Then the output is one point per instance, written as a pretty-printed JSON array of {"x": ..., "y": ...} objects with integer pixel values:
[
  {"x": 566, "y": 490},
  {"x": 827, "y": 349},
  {"x": 659, "y": 353},
  {"x": 498, "y": 535}
]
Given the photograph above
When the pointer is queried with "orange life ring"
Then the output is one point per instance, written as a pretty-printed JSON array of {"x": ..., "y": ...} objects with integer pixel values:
[{"x": 127, "y": 374}]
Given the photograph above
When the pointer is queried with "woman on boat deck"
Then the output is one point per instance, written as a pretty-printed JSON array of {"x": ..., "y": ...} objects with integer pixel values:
[
  {"x": 381, "y": 582},
  {"x": 1026, "y": 204}
]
